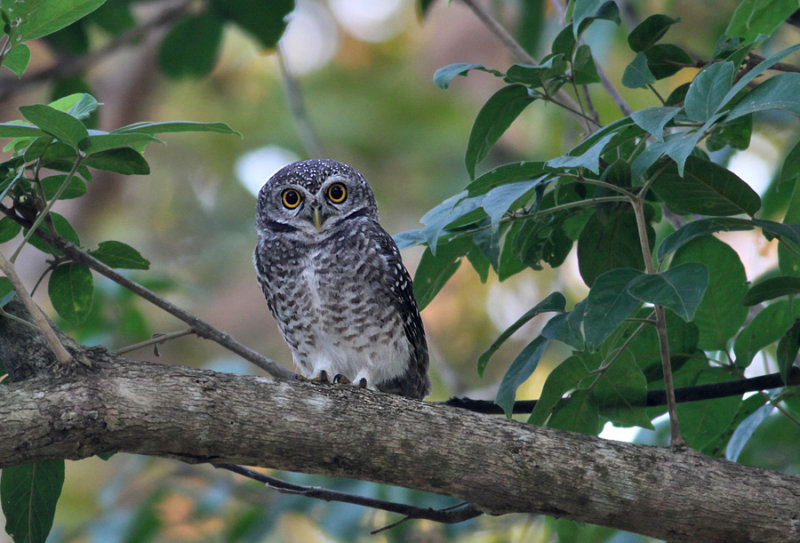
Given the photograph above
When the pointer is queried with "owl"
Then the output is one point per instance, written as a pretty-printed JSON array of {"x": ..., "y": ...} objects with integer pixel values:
[{"x": 334, "y": 280}]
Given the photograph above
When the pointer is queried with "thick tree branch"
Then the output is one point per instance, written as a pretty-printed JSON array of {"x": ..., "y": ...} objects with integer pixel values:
[{"x": 500, "y": 466}]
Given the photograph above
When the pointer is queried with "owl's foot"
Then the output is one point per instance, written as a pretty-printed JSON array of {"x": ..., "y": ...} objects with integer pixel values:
[
  {"x": 321, "y": 378},
  {"x": 344, "y": 380}
]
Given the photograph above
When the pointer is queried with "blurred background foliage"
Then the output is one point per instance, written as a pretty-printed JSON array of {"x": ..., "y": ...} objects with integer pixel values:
[{"x": 364, "y": 71}]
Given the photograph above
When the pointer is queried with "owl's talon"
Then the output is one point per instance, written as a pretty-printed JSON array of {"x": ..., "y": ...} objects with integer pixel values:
[
  {"x": 362, "y": 383},
  {"x": 322, "y": 377},
  {"x": 340, "y": 379}
]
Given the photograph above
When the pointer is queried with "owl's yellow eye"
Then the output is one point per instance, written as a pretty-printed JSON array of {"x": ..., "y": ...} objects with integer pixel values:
[
  {"x": 291, "y": 198},
  {"x": 337, "y": 193}
]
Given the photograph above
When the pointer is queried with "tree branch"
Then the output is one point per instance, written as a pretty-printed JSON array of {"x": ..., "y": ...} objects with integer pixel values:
[{"x": 499, "y": 466}]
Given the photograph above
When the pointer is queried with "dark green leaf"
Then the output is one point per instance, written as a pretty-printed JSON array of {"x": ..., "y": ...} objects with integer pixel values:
[
  {"x": 539, "y": 75},
  {"x": 703, "y": 421},
  {"x": 191, "y": 46},
  {"x": 577, "y": 413},
  {"x": 521, "y": 368},
  {"x": 708, "y": 90},
  {"x": 765, "y": 328},
  {"x": 721, "y": 313},
  {"x": 501, "y": 199},
  {"x": 125, "y": 161},
  {"x": 584, "y": 69},
  {"x": 58, "y": 124},
  {"x": 649, "y": 31},
  {"x": 120, "y": 255},
  {"x": 265, "y": 24},
  {"x": 75, "y": 188},
  {"x": 608, "y": 305},
  {"x": 679, "y": 289},
  {"x": 564, "y": 43},
  {"x": 583, "y": 10},
  {"x": 29, "y": 494},
  {"x": 620, "y": 393},
  {"x": 42, "y": 18},
  {"x": 759, "y": 17},
  {"x": 542, "y": 241},
  {"x": 609, "y": 244},
  {"x": 97, "y": 143},
  {"x": 493, "y": 120},
  {"x": 735, "y": 133},
  {"x": 8, "y": 229},
  {"x": 682, "y": 340},
  {"x": 18, "y": 58},
  {"x": 6, "y": 294},
  {"x": 566, "y": 327},
  {"x": 444, "y": 76},
  {"x": 588, "y": 158},
  {"x": 637, "y": 74},
  {"x": 507, "y": 173},
  {"x": 654, "y": 119},
  {"x": 564, "y": 378},
  {"x": 699, "y": 228},
  {"x": 772, "y": 288},
  {"x": 788, "y": 347},
  {"x": 71, "y": 289},
  {"x": 113, "y": 17},
  {"x": 554, "y": 302},
  {"x": 705, "y": 188},
  {"x": 760, "y": 68},
  {"x": 666, "y": 59},
  {"x": 778, "y": 92},
  {"x": 63, "y": 229},
  {"x": 434, "y": 270},
  {"x": 175, "y": 126}
]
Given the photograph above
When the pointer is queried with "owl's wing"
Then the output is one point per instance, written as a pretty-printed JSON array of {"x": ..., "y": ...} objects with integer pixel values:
[{"x": 414, "y": 382}]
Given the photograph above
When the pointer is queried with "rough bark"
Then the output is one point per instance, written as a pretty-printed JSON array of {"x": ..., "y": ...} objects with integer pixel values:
[{"x": 500, "y": 466}]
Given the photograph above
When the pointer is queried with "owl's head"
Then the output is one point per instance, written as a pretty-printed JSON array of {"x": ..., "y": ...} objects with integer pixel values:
[{"x": 313, "y": 197}]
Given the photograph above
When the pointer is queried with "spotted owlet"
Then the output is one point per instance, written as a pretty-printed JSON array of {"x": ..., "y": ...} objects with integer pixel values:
[{"x": 334, "y": 280}]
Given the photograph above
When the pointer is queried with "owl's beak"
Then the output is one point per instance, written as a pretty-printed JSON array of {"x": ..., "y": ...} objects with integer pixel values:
[{"x": 317, "y": 218}]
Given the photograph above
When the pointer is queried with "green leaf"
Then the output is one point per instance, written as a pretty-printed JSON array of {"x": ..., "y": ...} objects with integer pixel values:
[
  {"x": 97, "y": 143},
  {"x": 554, "y": 302},
  {"x": 588, "y": 158},
  {"x": 788, "y": 347},
  {"x": 708, "y": 90},
  {"x": 120, "y": 255},
  {"x": 439, "y": 217},
  {"x": 564, "y": 378},
  {"x": 745, "y": 431},
  {"x": 75, "y": 188},
  {"x": 493, "y": 120},
  {"x": 538, "y": 75},
  {"x": 637, "y": 74},
  {"x": 760, "y": 68},
  {"x": 771, "y": 288},
  {"x": 266, "y": 25},
  {"x": 507, "y": 173},
  {"x": 699, "y": 228},
  {"x": 583, "y": 10},
  {"x": 584, "y": 69},
  {"x": 8, "y": 229},
  {"x": 29, "y": 494},
  {"x": 500, "y": 199},
  {"x": 125, "y": 161},
  {"x": 80, "y": 105},
  {"x": 735, "y": 133},
  {"x": 679, "y": 289},
  {"x": 58, "y": 124},
  {"x": 445, "y": 75},
  {"x": 778, "y": 92},
  {"x": 174, "y": 127},
  {"x": 765, "y": 328},
  {"x": 721, "y": 313},
  {"x": 63, "y": 229},
  {"x": 705, "y": 188},
  {"x": 7, "y": 293},
  {"x": 682, "y": 340},
  {"x": 649, "y": 31},
  {"x": 71, "y": 289},
  {"x": 654, "y": 119},
  {"x": 577, "y": 413},
  {"x": 566, "y": 327},
  {"x": 434, "y": 270},
  {"x": 703, "y": 421},
  {"x": 759, "y": 17},
  {"x": 666, "y": 59},
  {"x": 620, "y": 393},
  {"x": 191, "y": 46},
  {"x": 521, "y": 368},
  {"x": 16, "y": 130},
  {"x": 40, "y": 18},
  {"x": 608, "y": 244},
  {"x": 18, "y": 58},
  {"x": 608, "y": 305}
]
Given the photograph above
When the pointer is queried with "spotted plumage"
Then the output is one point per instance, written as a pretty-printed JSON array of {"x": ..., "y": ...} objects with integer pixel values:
[{"x": 334, "y": 280}]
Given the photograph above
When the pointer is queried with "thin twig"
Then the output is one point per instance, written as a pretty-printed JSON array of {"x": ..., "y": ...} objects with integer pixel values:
[
  {"x": 157, "y": 339},
  {"x": 50, "y": 336},
  {"x": 521, "y": 55},
  {"x": 297, "y": 108},
  {"x": 654, "y": 398},
  {"x": 449, "y": 515}
]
